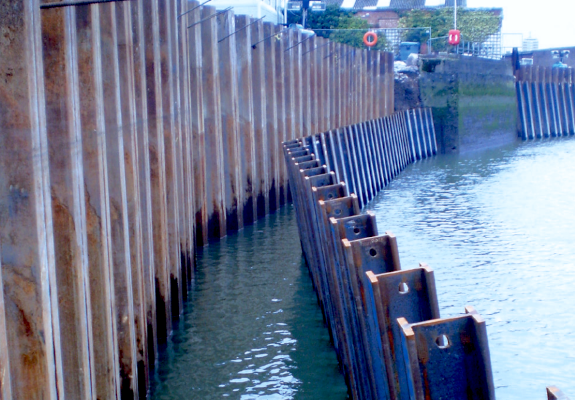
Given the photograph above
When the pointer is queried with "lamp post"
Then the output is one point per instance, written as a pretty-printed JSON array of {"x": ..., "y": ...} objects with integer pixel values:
[
  {"x": 305, "y": 6},
  {"x": 455, "y": 14}
]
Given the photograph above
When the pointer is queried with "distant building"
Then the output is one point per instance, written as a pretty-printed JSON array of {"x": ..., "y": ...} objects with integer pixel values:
[
  {"x": 406, "y": 4},
  {"x": 530, "y": 44}
]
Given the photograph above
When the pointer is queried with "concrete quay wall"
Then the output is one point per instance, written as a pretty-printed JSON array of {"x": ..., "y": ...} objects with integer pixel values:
[{"x": 473, "y": 101}]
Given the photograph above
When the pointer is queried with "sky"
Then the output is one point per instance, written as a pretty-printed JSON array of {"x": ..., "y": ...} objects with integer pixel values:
[{"x": 549, "y": 21}]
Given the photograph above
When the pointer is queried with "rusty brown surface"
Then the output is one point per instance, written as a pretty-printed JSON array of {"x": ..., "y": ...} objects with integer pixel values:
[
  {"x": 281, "y": 174},
  {"x": 152, "y": 137},
  {"x": 229, "y": 100},
  {"x": 27, "y": 258},
  {"x": 271, "y": 143},
  {"x": 130, "y": 158},
  {"x": 260, "y": 119},
  {"x": 197, "y": 118},
  {"x": 213, "y": 125},
  {"x": 246, "y": 133}
]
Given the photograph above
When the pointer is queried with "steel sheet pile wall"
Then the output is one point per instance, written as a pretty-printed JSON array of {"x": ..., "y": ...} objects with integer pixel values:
[
  {"x": 546, "y": 100},
  {"x": 130, "y": 132},
  {"x": 368, "y": 155},
  {"x": 384, "y": 321}
]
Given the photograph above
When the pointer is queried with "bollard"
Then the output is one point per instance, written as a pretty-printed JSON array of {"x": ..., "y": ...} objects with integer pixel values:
[{"x": 448, "y": 358}]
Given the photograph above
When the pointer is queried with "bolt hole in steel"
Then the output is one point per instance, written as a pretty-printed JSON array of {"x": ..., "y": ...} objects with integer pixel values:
[
  {"x": 403, "y": 288},
  {"x": 461, "y": 214},
  {"x": 372, "y": 252},
  {"x": 337, "y": 211},
  {"x": 356, "y": 230},
  {"x": 442, "y": 342},
  {"x": 330, "y": 196}
]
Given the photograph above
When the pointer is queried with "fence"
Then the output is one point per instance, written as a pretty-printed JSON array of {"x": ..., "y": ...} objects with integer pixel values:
[
  {"x": 546, "y": 101},
  {"x": 384, "y": 321},
  {"x": 132, "y": 131}
]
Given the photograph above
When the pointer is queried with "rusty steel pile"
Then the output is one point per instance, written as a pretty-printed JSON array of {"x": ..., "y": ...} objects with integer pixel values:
[
  {"x": 130, "y": 133},
  {"x": 546, "y": 101},
  {"x": 384, "y": 321}
]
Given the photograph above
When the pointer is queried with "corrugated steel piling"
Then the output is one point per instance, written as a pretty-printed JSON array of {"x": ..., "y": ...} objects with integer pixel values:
[
  {"x": 370, "y": 305},
  {"x": 131, "y": 133},
  {"x": 545, "y": 99},
  {"x": 553, "y": 393}
]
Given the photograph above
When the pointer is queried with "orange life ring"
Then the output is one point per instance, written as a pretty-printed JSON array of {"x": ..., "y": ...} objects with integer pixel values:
[{"x": 366, "y": 38}]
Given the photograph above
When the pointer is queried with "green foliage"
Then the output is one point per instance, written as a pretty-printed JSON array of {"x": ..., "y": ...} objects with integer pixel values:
[
  {"x": 475, "y": 25},
  {"x": 334, "y": 17}
]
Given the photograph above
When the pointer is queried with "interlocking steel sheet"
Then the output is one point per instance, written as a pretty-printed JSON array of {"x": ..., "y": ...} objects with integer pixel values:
[
  {"x": 410, "y": 294},
  {"x": 553, "y": 393},
  {"x": 328, "y": 192},
  {"x": 358, "y": 226},
  {"x": 448, "y": 358}
]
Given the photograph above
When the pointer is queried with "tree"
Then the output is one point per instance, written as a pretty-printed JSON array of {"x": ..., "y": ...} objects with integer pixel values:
[
  {"x": 475, "y": 25},
  {"x": 333, "y": 23}
]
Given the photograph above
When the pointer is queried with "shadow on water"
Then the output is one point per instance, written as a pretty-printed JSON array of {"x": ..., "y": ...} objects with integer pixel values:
[
  {"x": 498, "y": 229},
  {"x": 251, "y": 328}
]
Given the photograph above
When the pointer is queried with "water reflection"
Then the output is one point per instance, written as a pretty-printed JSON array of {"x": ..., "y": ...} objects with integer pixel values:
[
  {"x": 252, "y": 327},
  {"x": 498, "y": 229}
]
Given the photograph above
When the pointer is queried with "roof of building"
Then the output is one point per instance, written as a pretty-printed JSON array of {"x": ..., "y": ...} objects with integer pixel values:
[
  {"x": 361, "y": 4},
  {"x": 409, "y": 4}
]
